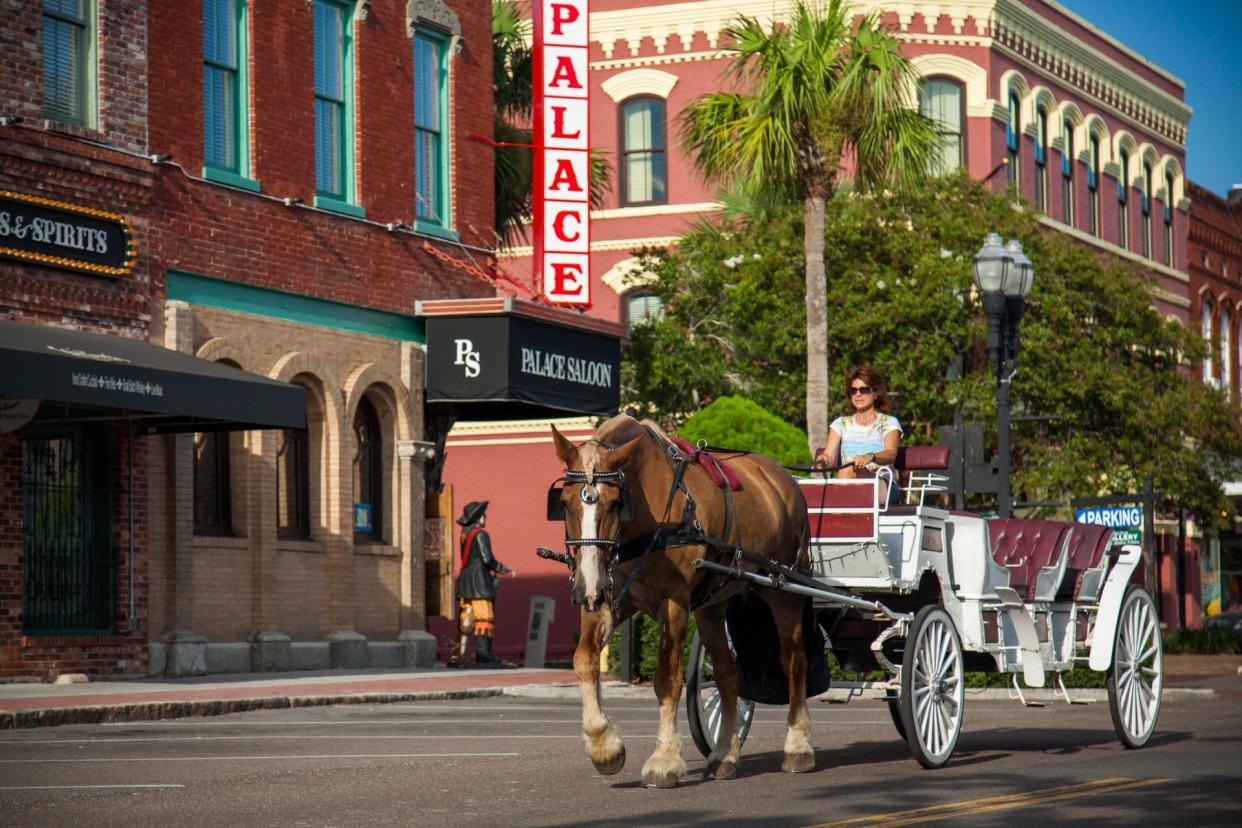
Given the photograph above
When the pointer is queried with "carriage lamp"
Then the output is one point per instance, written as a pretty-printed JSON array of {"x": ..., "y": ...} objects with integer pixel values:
[{"x": 1004, "y": 275}]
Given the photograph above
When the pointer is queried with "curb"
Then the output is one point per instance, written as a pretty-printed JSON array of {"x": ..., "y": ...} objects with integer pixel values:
[{"x": 150, "y": 711}]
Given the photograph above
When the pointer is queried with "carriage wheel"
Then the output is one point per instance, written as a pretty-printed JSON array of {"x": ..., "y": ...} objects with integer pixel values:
[
  {"x": 1137, "y": 673},
  {"x": 894, "y": 710},
  {"x": 932, "y": 687},
  {"x": 703, "y": 707}
]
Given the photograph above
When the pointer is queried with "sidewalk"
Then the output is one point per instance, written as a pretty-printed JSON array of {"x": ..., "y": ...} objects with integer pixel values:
[{"x": 42, "y": 705}]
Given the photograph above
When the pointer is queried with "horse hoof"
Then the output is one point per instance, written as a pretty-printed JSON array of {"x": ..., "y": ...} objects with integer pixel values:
[
  {"x": 798, "y": 762},
  {"x": 722, "y": 770},
  {"x": 661, "y": 780},
  {"x": 613, "y": 765}
]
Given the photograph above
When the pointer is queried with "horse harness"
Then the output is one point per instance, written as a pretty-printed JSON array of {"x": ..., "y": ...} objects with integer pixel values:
[{"x": 689, "y": 532}]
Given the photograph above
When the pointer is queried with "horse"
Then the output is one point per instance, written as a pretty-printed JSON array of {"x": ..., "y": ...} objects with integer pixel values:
[{"x": 625, "y": 490}]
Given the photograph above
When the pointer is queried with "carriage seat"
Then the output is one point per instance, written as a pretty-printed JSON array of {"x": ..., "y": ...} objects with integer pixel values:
[
  {"x": 823, "y": 500},
  {"x": 1034, "y": 552},
  {"x": 914, "y": 458},
  {"x": 1085, "y": 562}
]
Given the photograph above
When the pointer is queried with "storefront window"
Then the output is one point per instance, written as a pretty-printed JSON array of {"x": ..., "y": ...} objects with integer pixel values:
[
  {"x": 293, "y": 484},
  {"x": 67, "y": 563},
  {"x": 212, "y": 489}
]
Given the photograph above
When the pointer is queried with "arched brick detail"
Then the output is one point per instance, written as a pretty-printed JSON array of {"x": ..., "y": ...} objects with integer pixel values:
[
  {"x": 298, "y": 362},
  {"x": 396, "y": 396},
  {"x": 221, "y": 347}
]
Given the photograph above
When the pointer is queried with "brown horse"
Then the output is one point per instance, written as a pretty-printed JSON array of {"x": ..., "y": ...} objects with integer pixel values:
[{"x": 606, "y": 512}]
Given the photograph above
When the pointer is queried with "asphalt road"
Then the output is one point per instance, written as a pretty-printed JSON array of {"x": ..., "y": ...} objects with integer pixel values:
[{"x": 515, "y": 762}]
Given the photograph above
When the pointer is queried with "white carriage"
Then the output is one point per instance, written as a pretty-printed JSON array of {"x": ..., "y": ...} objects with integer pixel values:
[{"x": 926, "y": 594}]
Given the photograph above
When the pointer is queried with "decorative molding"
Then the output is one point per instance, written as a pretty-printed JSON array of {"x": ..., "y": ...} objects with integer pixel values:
[
  {"x": 431, "y": 13},
  {"x": 658, "y": 210},
  {"x": 626, "y": 275},
  {"x": 639, "y": 82},
  {"x": 971, "y": 75}
]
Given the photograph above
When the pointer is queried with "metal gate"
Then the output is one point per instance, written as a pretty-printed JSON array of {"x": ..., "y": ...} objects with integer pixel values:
[{"x": 67, "y": 560}]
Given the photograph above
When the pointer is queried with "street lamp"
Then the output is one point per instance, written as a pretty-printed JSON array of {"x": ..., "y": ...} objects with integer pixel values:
[{"x": 1004, "y": 275}]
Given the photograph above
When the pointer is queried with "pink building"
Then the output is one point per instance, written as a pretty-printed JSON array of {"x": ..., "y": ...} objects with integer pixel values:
[{"x": 1093, "y": 134}]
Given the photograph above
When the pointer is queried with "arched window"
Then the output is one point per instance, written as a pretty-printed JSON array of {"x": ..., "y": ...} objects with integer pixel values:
[
  {"x": 1013, "y": 138},
  {"x": 1226, "y": 349},
  {"x": 1147, "y": 209},
  {"x": 1168, "y": 220},
  {"x": 644, "y": 175},
  {"x": 293, "y": 484},
  {"x": 641, "y": 307},
  {"x": 1093, "y": 183},
  {"x": 1206, "y": 317},
  {"x": 368, "y": 474},
  {"x": 940, "y": 99},
  {"x": 1041, "y": 160},
  {"x": 1067, "y": 174},
  {"x": 1123, "y": 200}
]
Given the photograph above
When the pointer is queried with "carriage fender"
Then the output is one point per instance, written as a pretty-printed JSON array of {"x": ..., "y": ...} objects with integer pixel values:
[{"x": 1105, "y": 630}]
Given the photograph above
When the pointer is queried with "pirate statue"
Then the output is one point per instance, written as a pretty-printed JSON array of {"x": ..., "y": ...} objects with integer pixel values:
[{"x": 476, "y": 585}]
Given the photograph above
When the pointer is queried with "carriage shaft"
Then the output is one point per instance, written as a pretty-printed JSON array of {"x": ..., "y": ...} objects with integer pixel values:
[{"x": 821, "y": 593}]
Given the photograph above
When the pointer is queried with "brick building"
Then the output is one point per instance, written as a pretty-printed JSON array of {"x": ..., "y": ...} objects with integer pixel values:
[
  {"x": 1215, "y": 264},
  {"x": 73, "y": 150},
  {"x": 296, "y": 176}
]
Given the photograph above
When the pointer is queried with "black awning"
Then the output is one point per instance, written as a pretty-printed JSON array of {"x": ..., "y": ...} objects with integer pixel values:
[
  {"x": 511, "y": 365},
  {"x": 164, "y": 390}
]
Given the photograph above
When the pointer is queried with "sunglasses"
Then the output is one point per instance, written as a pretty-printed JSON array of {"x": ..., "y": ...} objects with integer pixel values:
[{"x": 860, "y": 389}]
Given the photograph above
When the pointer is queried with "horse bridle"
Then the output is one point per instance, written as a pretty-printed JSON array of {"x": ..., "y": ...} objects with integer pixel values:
[{"x": 689, "y": 531}]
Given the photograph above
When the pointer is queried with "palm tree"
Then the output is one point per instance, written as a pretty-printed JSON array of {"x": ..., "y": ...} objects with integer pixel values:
[{"x": 818, "y": 95}]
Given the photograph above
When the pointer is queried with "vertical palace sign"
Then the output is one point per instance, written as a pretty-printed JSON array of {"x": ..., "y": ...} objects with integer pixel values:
[{"x": 562, "y": 157}]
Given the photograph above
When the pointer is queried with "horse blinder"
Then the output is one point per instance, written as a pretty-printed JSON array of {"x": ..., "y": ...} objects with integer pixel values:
[{"x": 589, "y": 494}]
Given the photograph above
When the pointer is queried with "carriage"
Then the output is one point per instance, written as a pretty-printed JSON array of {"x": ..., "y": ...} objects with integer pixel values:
[{"x": 925, "y": 594}]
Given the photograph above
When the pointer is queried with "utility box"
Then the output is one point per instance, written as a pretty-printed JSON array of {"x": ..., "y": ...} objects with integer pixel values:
[{"x": 542, "y": 609}]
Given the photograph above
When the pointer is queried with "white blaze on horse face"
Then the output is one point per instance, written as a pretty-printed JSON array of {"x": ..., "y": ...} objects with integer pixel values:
[{"x": 590, "y": 558}]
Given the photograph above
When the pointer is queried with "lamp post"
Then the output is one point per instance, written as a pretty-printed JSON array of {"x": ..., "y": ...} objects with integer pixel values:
[{"x": 1004, "y": 276}]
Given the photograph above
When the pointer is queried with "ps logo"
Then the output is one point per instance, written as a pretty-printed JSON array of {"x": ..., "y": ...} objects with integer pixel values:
[{"x": 467, "y": 356}]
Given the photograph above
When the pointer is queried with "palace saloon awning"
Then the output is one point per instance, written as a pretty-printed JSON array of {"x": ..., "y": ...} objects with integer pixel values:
[
  {"x": 506, "y": 359},
  {"x": 95, "y": 375}
]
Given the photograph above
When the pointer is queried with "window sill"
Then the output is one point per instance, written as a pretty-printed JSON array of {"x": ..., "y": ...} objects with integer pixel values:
[
  {"x": 230, "y": 179},
  {"x": 334, "y": 205},
  {"x": 300, "y": 546},
  {"x": 379, "y": 550},
  {"x": 428, "y": 228},
  {"x": 220, "y": 542}
]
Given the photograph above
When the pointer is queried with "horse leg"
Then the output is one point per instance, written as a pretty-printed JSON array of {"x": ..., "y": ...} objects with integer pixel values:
[
  {"x": 787, "y": 612},
  {"x": 603, "y": 746},
  {"x": 722, "y": 764},
  {"x": 665, "y": 767}
]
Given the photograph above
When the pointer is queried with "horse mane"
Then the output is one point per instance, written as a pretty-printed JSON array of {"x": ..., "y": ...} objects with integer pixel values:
[{"x": 621, "y": 429}]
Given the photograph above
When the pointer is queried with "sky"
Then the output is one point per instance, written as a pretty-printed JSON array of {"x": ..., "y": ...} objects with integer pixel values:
[{"x": 1197, "y": 41}]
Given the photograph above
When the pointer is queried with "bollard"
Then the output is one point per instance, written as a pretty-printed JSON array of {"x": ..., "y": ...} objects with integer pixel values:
[{"x": 542, "y": 610}]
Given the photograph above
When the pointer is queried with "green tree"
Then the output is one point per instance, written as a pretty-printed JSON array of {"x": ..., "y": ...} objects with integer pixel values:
[
  {"x": 1096, "y": 355},
  {"x": 816, "y": 93},
  {"x": 736, "y": 422}
]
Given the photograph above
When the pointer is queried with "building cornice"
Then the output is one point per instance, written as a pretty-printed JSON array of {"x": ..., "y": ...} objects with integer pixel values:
[{"x": 1013, "y": 27}]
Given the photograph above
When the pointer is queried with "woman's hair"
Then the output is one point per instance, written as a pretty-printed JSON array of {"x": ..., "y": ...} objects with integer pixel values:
[{"x": 873, "y": 378}]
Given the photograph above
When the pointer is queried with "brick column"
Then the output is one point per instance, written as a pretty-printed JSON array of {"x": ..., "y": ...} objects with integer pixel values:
[
  {"x": 186, "y": 649},
  {"x": 270, "y": 649}
]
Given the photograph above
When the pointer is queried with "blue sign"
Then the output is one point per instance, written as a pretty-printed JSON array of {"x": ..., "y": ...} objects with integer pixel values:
[
  {"x": 362, "y": 517},
  {"x": 1114, "y": 517}
]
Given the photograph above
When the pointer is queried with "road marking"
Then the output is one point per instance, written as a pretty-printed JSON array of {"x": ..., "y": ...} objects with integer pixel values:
[
  {"x": 79, "y": 787},
  {"x": 576, "y": 720},
  {"x": 138, "y": 739},
  {"x": 970, "y": 807},
  {"x": 257, "y": 758}
]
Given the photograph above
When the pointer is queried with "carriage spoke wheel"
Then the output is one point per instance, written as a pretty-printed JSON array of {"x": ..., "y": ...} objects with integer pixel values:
[
  {"x": 703, "y": 707},
  {"x": 932, "y": 687},
  {"x": 1137, "y": 674}
]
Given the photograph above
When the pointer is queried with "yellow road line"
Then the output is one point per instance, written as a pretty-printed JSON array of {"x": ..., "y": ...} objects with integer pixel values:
[{"x": 994, "y": 803}]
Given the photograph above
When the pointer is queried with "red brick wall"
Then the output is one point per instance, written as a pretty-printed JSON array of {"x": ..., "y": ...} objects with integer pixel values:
[{"x": 227, "y": 233}]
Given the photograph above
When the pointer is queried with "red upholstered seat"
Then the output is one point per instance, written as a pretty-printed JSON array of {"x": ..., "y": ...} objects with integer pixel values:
[
  {"x": 922, "y": 458},
  {"x": 1087, "y": 545},
  {"x": 821, "y": 496},
  {"x": 1024, "y": 547}
]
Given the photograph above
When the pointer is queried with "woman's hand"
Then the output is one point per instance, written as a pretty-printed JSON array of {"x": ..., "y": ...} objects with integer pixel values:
[{"x": 862, "y": 461}]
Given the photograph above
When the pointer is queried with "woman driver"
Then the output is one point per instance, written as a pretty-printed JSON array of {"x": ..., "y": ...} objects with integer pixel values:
[{"x": 866, "y": 436}]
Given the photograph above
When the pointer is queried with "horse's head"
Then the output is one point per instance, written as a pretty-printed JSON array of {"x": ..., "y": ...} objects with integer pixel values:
[{"x": 595, "y": 502}]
